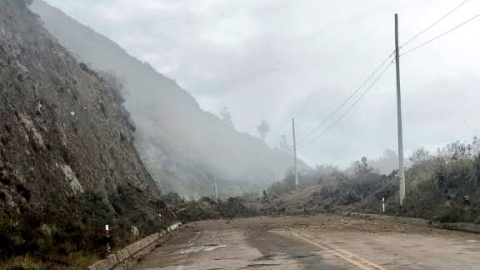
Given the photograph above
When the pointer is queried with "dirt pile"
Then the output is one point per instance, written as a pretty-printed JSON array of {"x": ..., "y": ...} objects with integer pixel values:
[{"x": 206, "y": 208}]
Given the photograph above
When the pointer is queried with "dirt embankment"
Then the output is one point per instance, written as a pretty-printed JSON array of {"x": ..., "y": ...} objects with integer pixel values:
[
  {"x": 67, "y": 162},
  {"x": 62, "y": 132}
]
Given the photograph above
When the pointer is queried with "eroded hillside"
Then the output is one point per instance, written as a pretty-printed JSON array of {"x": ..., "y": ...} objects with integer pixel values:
[{"x": 66, "y": 151}]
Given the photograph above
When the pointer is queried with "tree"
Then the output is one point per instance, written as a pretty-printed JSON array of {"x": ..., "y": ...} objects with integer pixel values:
[
  {"x": 226, "y": 117},
  {"x": 476, "y": 146},
  {"x": 362, "y": 169},
  {"x": 263, "y": 129}
]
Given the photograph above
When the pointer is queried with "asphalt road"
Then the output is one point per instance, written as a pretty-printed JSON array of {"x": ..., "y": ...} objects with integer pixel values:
[{"x": 319, "y": 242}]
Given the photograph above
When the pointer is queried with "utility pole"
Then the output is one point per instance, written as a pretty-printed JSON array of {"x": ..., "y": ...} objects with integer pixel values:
[
  {"x": 294, "y": 153},
  {"x": 401, "y": 165},
  {"x": 260, "y": 185},
  {"x": 216, "y": 187}
]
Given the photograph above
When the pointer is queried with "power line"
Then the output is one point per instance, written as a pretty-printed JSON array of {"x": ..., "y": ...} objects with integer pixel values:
[
  {"x": 325, "y": 121},
  {"x": 474, "y": 132},
  {"x": 441, "y": 35},
  {"x": 349, "y": 108},
  {"x": 304, "y": 141},
  {"x": 328, "y": 118},
  {"x": 434, "y": 23}
]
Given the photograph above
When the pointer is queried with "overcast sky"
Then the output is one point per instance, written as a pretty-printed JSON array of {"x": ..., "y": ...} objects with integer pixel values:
[{"x": 277, "y": 59}]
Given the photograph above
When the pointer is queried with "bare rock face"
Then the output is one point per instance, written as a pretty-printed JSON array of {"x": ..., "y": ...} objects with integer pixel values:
[{"x": 62, "y": 132}]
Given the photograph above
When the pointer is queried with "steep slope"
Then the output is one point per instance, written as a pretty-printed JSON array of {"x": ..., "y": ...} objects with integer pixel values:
[
  {"x": 65, "y": 143},
  {"x": 182, "y": 145}
]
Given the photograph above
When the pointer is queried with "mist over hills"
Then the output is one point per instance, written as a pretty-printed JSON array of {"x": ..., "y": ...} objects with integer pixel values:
[{"x": 183, "y": 146}]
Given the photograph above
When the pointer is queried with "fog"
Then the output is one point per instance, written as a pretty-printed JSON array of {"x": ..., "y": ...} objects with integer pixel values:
[
  {"x": 277, "y": 60},
  {"x": 184, "y": 147},
  {"x": 302, "y": 58}
]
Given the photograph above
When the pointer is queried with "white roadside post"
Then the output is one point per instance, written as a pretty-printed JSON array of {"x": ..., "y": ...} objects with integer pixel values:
[
  {"x": 383, "y": 205},
  {"x": 107, "y": 233}
]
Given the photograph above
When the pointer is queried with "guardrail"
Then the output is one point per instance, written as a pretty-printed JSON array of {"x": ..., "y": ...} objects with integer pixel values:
[{"x": 122, "y": 256}]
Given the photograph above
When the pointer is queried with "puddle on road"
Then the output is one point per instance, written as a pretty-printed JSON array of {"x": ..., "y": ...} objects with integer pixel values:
[{"x": 196, "y": 249}]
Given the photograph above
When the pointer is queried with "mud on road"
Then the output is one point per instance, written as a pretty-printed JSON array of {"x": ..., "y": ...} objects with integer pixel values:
[{"x": 314, "y": 242}]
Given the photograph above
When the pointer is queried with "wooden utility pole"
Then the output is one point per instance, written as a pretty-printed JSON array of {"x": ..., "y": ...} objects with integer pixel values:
[
  {"x": 294, "y": 153},
  {"x": 401, "y": 165}
]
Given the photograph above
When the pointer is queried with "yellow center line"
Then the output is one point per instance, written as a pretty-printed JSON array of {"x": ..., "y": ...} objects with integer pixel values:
[
  {"x": 365, "y": 261},
  {"x": 354, "y": 259}
]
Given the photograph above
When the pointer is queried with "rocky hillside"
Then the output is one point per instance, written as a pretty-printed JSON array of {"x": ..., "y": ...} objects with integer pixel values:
[
  {"x": 182, "y": 145},
  {"x": 66, "y": 149}
]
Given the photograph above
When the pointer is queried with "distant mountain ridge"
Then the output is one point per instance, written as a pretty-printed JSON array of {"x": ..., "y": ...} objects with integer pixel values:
[{"x": 182, "y": 145}]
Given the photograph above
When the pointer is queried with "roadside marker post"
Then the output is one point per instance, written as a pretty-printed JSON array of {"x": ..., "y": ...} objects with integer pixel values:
[
  {"x": 107, "y": 234},
  {"x": 383, "y": 205}
]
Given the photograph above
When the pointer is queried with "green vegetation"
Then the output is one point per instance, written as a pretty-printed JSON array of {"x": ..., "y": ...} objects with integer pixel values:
[
  {"x": 442, "y": 187},
  {"x": 71, "y": 236},
  {"x": 446, "y": 187}
]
